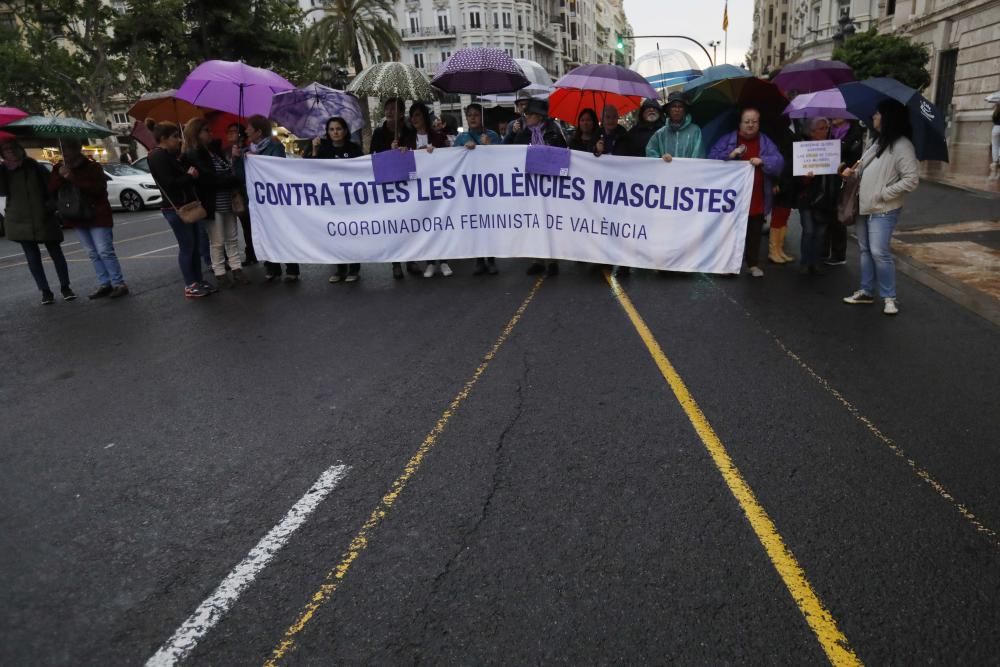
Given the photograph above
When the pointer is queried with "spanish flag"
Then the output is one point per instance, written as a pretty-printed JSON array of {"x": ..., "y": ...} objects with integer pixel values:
[{"x": 725, "y": 17}]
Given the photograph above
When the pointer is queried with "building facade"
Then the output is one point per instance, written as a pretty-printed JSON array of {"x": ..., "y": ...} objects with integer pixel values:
[{"x": 962, "y": 36}]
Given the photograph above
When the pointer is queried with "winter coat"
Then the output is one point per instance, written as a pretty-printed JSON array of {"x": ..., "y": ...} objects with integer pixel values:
[
  {"x": 435, "y": 138},
  {"x": 772, "y": 165},
  {"x": 209, "y": 183},
  {"x": 169, "y": 172},
  {"x": 887, "y": 177},
  {"x": 327, "y": 151},
  {"x": 273, "y": 148},
  {"x": 30, "y": 212},
  {"x": 90, "y": 179},
  {"x": 382, "y": 137},
  {"x": 550, "y": 131},
  {"x": 682, "y": 142},
  {"x": 637, "y": 138},
  {"x": 466, "y": 137},
  {"x": 614, "y": 140},
  {"x": 585, "y": 146}
]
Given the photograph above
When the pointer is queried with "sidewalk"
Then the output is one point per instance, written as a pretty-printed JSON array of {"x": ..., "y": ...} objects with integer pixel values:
[{"x": 949, "y": 240}]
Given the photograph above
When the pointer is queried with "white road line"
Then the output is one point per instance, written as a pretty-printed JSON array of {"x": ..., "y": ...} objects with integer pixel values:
[
  {"x": 66, "y": 245},
  {"x": 143, "y": 254},
  {"x": 222, "y": 599}
]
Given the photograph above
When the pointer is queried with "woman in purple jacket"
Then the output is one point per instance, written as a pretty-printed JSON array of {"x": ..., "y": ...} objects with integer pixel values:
[{"x": 748, "y": 143}]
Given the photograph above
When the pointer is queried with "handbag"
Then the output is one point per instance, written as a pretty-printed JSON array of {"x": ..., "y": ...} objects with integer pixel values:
[
  {"x": 72, "y": 204},
  {"x": 847, "y": 202},
  {"x": 189, "y": 213},
  {"x": 239, "y": 204}
]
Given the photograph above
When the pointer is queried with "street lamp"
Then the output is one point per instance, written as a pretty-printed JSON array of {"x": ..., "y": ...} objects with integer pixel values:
[
  {"x": 846, "y": 30},
  {"x": 714, "y": 44}
]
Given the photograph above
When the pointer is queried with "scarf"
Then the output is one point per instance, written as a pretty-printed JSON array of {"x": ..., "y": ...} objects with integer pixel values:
[
  {"x": 537, "y": 135},
  {"x": 840, "y": 131},
  {"x": 260, "y": 145}
]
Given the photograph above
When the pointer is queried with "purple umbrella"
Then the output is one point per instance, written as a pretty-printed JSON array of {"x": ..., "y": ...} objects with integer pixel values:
[
  {"x": 481, "y": 71},
  {"x": 607, "y": 79},
  {"x": 305, "y": 111},
  {"x": 813, "y": 75},
  {"x": 234, "y": 87},
  {"x": 821, "y": 104}
]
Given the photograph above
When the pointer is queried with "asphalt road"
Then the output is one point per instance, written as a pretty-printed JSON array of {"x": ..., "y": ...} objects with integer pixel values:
[{"x": 765, "y": 476}]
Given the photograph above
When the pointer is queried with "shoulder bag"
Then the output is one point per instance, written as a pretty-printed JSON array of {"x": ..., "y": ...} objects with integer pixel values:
[{"x": 189, "y": 213}]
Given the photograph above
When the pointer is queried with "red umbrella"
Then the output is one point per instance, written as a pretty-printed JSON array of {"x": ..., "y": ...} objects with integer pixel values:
[
  {"x": 10, "y": 114},
  {"x": 595, "y": 87},
  {"x": 567, "y": 103}
]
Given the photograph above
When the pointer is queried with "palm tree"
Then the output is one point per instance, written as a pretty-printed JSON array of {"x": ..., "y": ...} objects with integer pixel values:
[{"x": 352, "y": 27}]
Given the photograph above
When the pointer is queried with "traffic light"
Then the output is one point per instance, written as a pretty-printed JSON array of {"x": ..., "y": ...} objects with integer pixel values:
[{"x": 619, "y": 43}]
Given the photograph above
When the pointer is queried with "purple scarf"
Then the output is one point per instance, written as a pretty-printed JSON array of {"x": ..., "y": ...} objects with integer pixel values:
[
  {"x": 537, "y": 136},
  {"x": 840, "y": 131}
]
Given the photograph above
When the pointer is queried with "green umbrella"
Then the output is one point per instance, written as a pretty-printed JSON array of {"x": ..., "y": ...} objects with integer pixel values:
[
  {"x": 53, "y": 127},
  {"x": 386, "y": 80}
]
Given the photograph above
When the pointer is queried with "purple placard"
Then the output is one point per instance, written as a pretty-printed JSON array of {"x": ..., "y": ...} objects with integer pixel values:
[
  {"x": 393, "y": 166},
  {"x": 548, "y": 160}
]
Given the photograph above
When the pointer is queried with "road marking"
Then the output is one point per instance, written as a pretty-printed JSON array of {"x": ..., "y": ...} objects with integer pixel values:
[
  {"x": 117, "y": 224},
  {"x": 73, "y": 252},
  {"x": 364, "y": 537},
  {"x": 209, "y": 612},
  {"x": 822, "y": 623},
  {"x": 143, "y": 254},
  {"x": 920, "y": 471}
]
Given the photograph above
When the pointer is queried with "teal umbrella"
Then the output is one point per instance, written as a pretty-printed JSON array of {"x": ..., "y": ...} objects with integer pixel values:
[
  {"x": 54, "y": 127},
  {"x": 712, "y": 74}
]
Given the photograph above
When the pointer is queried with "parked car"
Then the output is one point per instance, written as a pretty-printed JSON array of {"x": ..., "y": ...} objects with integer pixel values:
[
  {"x": 130, "y": 188},
  {"x": 142, "y": 164}
]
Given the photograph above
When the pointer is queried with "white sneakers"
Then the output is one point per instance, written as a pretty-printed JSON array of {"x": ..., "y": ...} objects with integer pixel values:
[
  {"x": 756, "y": 272},
  {"x": 859, "y": 297},
  {"x": 890, "y": 307},
  {"x": 432, "y": 267}
]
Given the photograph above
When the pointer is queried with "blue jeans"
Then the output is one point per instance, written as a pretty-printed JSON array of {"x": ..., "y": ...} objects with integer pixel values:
[
  {"x": 100, "y": 245},
  {"x": 874, "y": 235},
  {"x": 814, "y": 223},
  {"x": 33, "y": 253},
  {"x": 188, "y": 253}
]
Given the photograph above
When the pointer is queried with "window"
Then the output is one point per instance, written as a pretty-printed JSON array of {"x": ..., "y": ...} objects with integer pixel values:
[
  {"x": 510, "y": 51},
  {"x": 418, "y": 60},
  {"x": 444, "y": 20},
  {"x": 572, "y": 32},
  {"x": 781, "y": 52},
  {"x": 445, "y": 55},
  {"x": 890, "y": 7},
  {"x": 506, "y": 20},
  {"x": 784, "y": 22},
  {"x": 414, "y": 22},
  {"x": 947, "y": 64},
  {"x": 120, "y": 118},
  {"x": 496, "y": 20},
  {"x": 520, "y": 24},
  {"x": 475, "y": 20},
  {"x": 522, "y": 52},
  {"x": 770, "y": 39}
]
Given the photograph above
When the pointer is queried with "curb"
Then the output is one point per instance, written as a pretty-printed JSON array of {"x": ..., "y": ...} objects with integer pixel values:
[
  {"x": 971, "y": 299},
  {"x": 985, "y": 194}
]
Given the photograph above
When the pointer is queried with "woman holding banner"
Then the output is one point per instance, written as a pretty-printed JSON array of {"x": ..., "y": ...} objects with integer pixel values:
[
  {"x": 337, "y": 145},
  {"x": 750, "y": 144}
]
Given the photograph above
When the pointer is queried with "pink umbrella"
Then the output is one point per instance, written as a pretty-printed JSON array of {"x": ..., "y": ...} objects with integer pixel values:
[
  {"x": 233, "y": 87},
  {"x": 10, "y": 114}
]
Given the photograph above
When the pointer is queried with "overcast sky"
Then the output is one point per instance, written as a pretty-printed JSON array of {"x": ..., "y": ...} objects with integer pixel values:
[{"x": 698, "y": 19}]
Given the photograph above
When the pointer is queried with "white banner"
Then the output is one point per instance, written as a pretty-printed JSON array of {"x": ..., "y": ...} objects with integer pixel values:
[{"x": 688, "y": 215}]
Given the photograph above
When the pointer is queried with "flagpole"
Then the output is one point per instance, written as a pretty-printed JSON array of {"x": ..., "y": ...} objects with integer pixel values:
[{"x": 725, "y": 29}]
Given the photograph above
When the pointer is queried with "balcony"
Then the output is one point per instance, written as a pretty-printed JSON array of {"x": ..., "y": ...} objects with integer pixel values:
[
  {"x": 546, "y": 39},
  {"x": 428, "y": 33}
]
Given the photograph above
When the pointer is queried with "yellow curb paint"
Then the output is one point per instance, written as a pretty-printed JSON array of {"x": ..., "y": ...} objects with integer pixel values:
[
  {"x": 364, "y": 536},
  {"x": 822, "y": 623}
]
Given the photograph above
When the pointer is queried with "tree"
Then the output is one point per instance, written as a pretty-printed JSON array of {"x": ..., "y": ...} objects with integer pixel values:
[
  {"x": 872, "y": 55},
  {"x": 352, "y": 27}
]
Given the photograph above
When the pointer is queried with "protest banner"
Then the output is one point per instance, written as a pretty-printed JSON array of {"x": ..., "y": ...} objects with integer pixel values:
[
  {"x": 689, "y": 215},
  {"x": 818, "y": 157}
]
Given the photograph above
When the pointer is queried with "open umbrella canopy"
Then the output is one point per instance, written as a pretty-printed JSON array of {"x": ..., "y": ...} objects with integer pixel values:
[
  {"x": 164, "y": 106},
  {"x": 715, "y": 73},
  {"x": 305, "y": 111},
  {"x": 234, "y": 87},
  {"x": 608, "y": 79},
  {"x": 10, "y": 114},
  {"x": 480, "y": 70},
  {"x": 54, "y": 127},
  {"x": 863, "y": 97},
  {"x": 716, "y": 107},
  {"x": 384, "y": 80},
  {"x": 993, "y": 98},
  {"x": 567, "y": 103},
  {"x": 810, "y": 76},
  {"x": 820, "y": 104}
]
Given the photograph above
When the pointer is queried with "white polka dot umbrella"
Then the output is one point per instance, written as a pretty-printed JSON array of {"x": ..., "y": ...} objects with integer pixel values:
[{"x": 480, "y": 71}]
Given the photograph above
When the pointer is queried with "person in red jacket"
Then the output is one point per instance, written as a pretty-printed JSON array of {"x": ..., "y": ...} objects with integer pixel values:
[{"x": 89, "y": 213}]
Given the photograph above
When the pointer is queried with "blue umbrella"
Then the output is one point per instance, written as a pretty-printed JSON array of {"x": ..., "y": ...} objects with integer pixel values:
[
  {"x": 716, "y": 73},
  {"x": 863, "y": 97},
  {"x": 305, "y": 111}
]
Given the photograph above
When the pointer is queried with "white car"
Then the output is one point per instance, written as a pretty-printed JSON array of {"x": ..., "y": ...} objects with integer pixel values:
[{"x": 129, "y": 188}]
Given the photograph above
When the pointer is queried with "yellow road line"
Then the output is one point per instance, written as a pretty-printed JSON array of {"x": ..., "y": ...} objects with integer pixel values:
[
  {"x": 918, "y": 470},
  {"x": 364, "y": 536},
  {"x": 822, "y": 623},
  {"x": 73, "y": 252}
]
